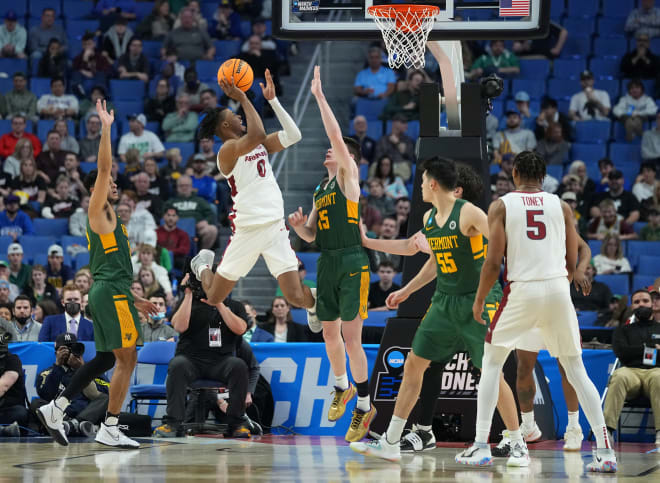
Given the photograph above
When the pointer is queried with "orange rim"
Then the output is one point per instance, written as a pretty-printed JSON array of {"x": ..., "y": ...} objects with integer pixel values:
[
  {"x": 407, "y": 17},
  {"x": 390, "y": 11}
]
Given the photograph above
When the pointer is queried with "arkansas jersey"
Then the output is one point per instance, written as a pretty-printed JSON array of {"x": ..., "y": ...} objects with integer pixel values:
[
  {"x": 255, "y": 194},
  {"x": 535, "y": 236}
]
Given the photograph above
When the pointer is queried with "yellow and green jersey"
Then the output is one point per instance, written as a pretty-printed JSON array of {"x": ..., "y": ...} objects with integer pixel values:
[
  {"x": 110, "y": 255},
  {"x": 458, "y": 257},
  {"x": 338, "y": 220}
]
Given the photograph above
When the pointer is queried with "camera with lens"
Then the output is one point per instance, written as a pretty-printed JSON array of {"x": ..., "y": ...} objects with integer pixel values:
[
  {"x": 5, "y": 339},
  {"x": 491, "y": 87}
]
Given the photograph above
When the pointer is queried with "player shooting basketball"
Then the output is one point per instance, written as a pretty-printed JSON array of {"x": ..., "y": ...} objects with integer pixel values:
[{"x": 257, "y": 218}]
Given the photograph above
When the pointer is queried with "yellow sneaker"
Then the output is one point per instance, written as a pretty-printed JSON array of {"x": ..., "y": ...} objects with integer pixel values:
[
  {"x": 360, "y": 424},
  {"x": 338, "y": 405}
]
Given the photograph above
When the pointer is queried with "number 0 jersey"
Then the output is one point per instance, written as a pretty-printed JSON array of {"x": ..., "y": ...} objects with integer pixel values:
[
  {"x": 256, "y": 196},
  {"x": 535, "y": 236},
  {"x": 338, "y": 218},
  {"x": 458, "y": 257}
]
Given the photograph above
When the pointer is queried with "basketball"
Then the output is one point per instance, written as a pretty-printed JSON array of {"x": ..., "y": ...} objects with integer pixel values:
[{"x": 237, "y": 70}]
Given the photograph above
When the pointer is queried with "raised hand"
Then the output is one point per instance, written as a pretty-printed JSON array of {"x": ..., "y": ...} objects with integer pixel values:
[
  {"x": 107, "y": 118},
  {"x": 297, "y": 218},
  {"x": 146, "y": 307},
  {"x": 269, "y": 88},
  {"x": 317, "y": 89},
  {"x": 231, "y": 90}
]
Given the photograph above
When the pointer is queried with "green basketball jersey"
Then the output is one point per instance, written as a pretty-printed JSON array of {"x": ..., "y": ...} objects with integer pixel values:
[
  {"x": 338, "y": 218},
  {"x": 110, "y": 255},
  {"x": 459, "y": 258}
]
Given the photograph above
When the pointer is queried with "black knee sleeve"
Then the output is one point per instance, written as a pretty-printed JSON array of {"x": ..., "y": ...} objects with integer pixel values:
[{"x": 102, "y": 362}]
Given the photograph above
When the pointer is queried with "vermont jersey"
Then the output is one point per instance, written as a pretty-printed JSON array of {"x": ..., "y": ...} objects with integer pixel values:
[
  {"x": 338, "y": 218},
  {"x": 256, "y": 197},
  {"x": 110, "y": 255},
  {"x": 458, "y": 258},
  {"x": 535, "y": 236}
]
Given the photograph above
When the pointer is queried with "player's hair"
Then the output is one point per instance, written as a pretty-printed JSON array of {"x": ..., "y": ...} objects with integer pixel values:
[
  {"x": 472, "y": 184},
  {"x": 443, "y": 170},
  {"x": 386, "y": 264},
  {"x": 354, "y": 149},
  {"x": 212, "y": 117},
  {"x": 90, "y": 179},
  {"x": 530, "y": 166}
]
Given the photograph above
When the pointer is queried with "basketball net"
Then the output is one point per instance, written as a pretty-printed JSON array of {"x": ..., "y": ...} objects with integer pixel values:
[{"x": 405, "y": 30}]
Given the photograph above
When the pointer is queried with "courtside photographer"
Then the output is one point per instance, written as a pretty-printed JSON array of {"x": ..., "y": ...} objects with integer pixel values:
[{"x": 13, "y": 412}]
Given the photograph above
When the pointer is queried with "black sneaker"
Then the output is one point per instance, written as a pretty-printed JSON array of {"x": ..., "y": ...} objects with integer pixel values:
[
  {"x": 417, "y": 440},
  {"x": 503, "y": 449},
  {"x": 241, "y": 431}
]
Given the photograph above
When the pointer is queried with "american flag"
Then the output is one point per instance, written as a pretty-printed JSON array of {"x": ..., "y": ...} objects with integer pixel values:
[{"x": 514, "y": 8}]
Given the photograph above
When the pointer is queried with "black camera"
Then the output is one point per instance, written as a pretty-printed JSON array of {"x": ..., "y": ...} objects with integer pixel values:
[{"x": 5, "y": 339}]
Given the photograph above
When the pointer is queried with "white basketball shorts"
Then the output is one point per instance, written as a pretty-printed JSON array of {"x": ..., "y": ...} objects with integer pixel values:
[
  {"x": 246, "y": 245},
  {"x": 544, "y": 304}
]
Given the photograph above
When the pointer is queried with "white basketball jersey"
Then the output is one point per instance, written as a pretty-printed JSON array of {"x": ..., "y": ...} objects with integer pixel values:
[
  {"x": 535, "y": 236},
  {"x": 255, "y": 194}
]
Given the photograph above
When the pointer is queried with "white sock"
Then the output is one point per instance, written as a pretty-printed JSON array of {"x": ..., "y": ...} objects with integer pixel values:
[
  {"x": 342, "y": 381},
  {"x": 528, "y": 419},
  {"x": 363, "y": 403},
  {"x": 62, "y": 403},
  {"x": 111, "y": 421},
  {"x": 515, "y": 436},
  {"x": 394, "y": 430},
  {"x": 424, "y": 428},
  {"x": 588, "y": 397},
  {"x": 573, "y": 420},
  {"x": 489, "y": 387}
]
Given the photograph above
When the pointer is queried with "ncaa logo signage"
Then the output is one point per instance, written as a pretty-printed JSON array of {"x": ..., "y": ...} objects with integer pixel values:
[
  {"x": 395, "y": 359},
  {"x": 387, "y": 383}
]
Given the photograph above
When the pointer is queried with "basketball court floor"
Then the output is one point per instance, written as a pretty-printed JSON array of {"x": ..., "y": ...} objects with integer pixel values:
[{"x": 293, "y": 459}]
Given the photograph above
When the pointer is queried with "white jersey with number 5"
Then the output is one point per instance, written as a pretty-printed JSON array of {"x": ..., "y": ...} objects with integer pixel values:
[
  {"x": 535, "y": 236},
  {"x": 255, "y": 194}
]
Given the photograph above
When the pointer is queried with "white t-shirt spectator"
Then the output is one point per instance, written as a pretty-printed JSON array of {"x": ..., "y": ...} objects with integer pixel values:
[
  {"x": 377, "y": 81},
  {"x": 579, "y": 105},
  {"x": 66, "y": 101},
  {"x": 147, "y": 142},
  {"x": 603, "y": 264},
  {"x": 642, "y": 191},
  {"x": 628, "y": 105},
  {"x": 651, "y": 144},
  {"x": 519, "y": 139}
]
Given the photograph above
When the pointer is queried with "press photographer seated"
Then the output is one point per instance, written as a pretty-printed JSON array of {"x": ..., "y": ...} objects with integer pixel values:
[
  {"x": 209, "y": 338},
  {"x": 89, "y": 407}
]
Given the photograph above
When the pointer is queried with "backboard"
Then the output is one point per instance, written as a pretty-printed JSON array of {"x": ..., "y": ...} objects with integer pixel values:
[{"x": 458, "y": 19}]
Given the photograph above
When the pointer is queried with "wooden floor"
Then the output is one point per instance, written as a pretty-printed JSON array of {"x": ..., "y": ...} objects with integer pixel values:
[{"x": 291, "y": 459}]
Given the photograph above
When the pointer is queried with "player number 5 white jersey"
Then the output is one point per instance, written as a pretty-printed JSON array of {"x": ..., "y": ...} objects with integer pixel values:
[
  {"x": 255, "y": 194},
  {"x": 535, "y": 236}
]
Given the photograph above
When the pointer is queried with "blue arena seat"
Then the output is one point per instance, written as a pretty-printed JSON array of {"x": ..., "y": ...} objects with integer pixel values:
[
  {"x": 76, "y": 10},
  {"x": 206, "y": 69},
  {"x": 6, "y": 84},
  {"x": 370, "y": 108},
  {"x": 126, "y": 89},
  {"x": 557, "y": 9},
  {"x": 588, "y": 152},
  {"x": 618, "y": 283},
  {"x": 610, "y": 47},
  {"x": 534, "y": 68},
  {"x": 5, "y": 241},
  {"x": 33, "y": 245},
  {"x": 636, "y": 248},
  {"x": 555, "y": 170},
  {"x": 648, "y": 265},
  {"x": 128, "y": 106},
  {"x": 46, "y": 125},
  {"x": 592, "y": 132},
  {"x": 152, "y": 353},
  {"x": 618, "y": 8},
  {"x": 309, "y": 259},
  {"x": 595, "y": 245},
  {"x": 576, "y": 45},
  {"x": 20, "y": 8},
  {"x": 605, "y": 67},
  {"x": 612, "y": 26},
  {"x": 77, "y": 28},
  {"x": 143, "y": 9},
  {"x": 584, "y": 25},
  {"x": 583, "y": 8},
  {"x": 625, "y": 153},
  {"x": 187, "y": 149},
  {"x": 568, "y": 68},
  {"x": 374, "y": 129},
  {"x": 619, "y": 134},
  {"x": 587, "y": 318},
  {"x": 188, "y": 225},
  {"x": 643, "y": 281},
  {"x": 87, "y": 167},
  {"x": 638, "y": 225},
  {"x": 226, "y": 49},
  {"x": 40, "y": 86},
  {"x": 536, "y": 89},
  {"x": 81, "y": 260},
  {"x": 562, "y": 88},
  {"x": 56, "y": 227},
  {"x": 246, "y": 28},
  {"x": 151, "y": 48},
  {"x": 299, "y": 316},
  {"x": 412, "y": 132},
  {"x": 379, "y": 318},
  {"x": 71, "y": 240},
  {"x": 37, "y": 6},
  {"x": 611, "y": 86}
]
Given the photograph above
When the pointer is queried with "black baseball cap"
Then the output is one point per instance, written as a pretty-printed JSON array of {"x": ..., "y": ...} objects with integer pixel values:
[{"x": 71, "y": 341}]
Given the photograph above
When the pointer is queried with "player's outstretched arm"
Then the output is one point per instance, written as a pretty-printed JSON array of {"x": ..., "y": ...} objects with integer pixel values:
[
  {"x": 254, "y": 136},
  {"x": 496, "y": 249},
  {"x": 98, "y": 220},
  {"x": 405, "y": 247},
  {"x": 584, "y": 258},
  {"x": 290, "y": 133},
  {"x": 304, "y": 226},
  {"x": 333, "y": 131}
]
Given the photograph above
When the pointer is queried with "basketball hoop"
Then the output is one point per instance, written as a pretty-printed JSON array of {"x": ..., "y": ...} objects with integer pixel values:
[{"x": 405, "y": 31}]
